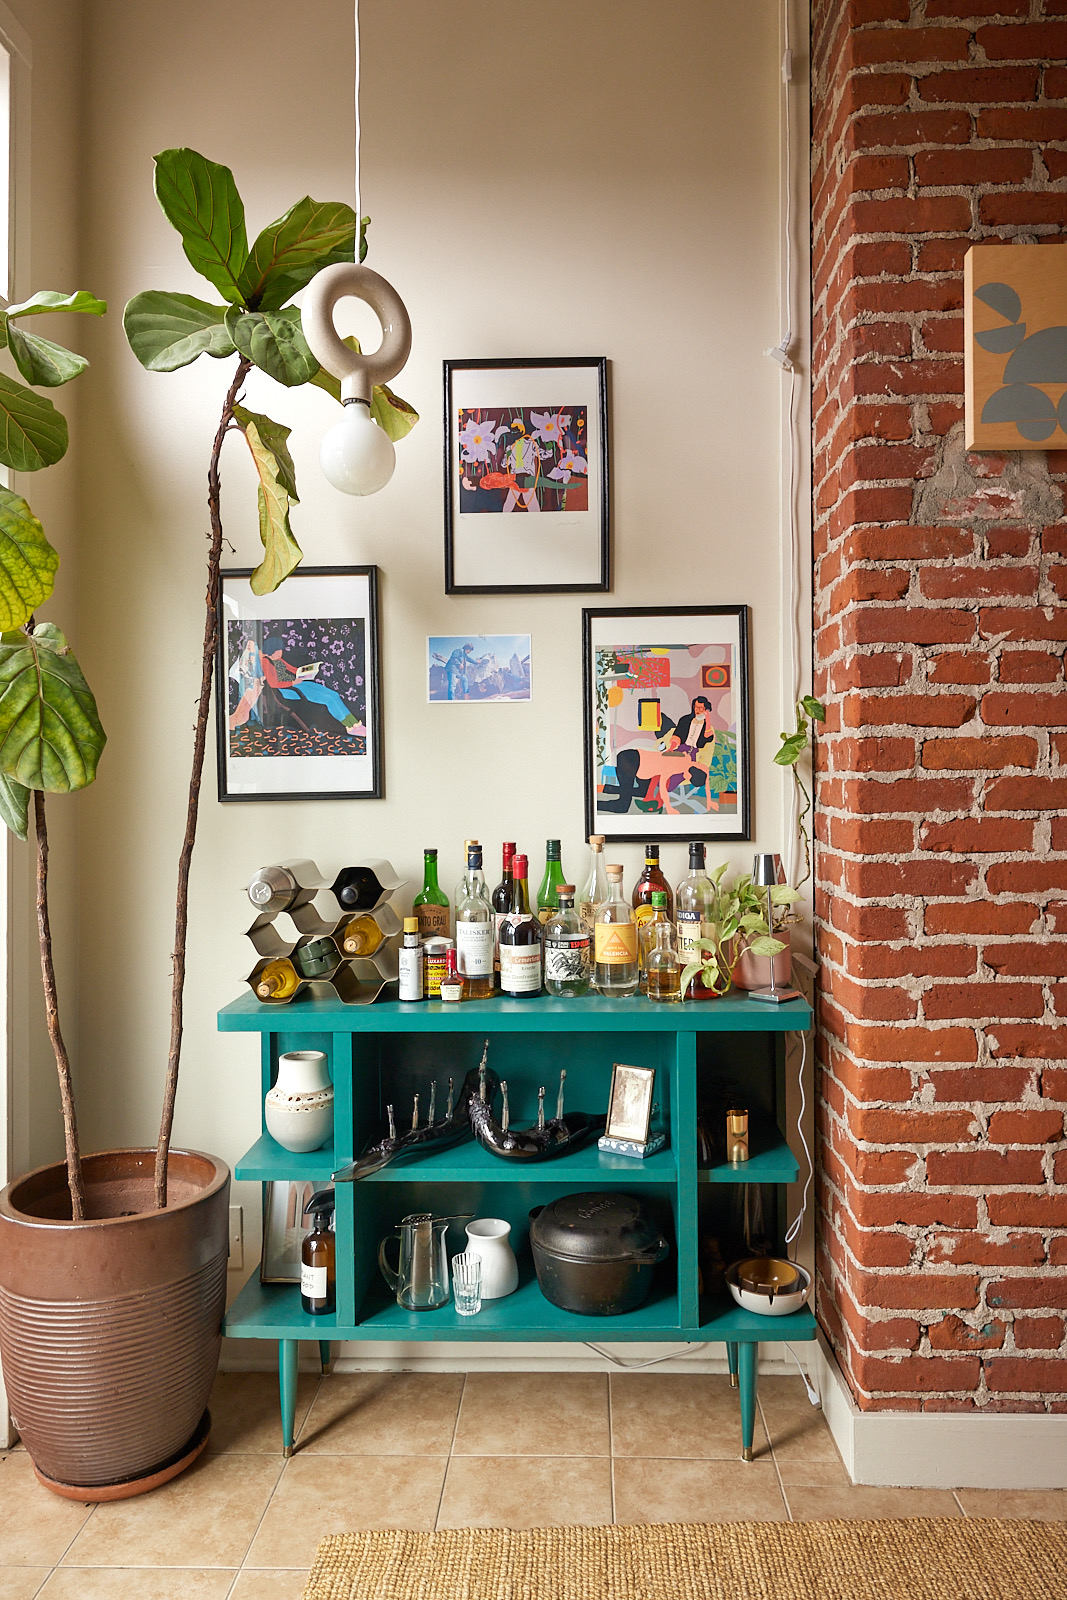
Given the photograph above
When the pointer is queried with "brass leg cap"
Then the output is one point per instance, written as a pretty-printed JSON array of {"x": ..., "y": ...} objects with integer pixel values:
[
  {"x": 746, "y": 1453},
  {"x": 733, "y": 1380},
  {"x": 327, "y": 1368},
  {"x": 287, "y": 1451}
]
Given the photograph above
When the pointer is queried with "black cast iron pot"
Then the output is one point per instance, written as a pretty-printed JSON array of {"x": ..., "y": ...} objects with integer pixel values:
[{"x": 594, "y": 1253}]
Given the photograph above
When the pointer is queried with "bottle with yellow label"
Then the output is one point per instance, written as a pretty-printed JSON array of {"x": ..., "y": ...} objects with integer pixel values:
[{"x": 615, "y": 941}]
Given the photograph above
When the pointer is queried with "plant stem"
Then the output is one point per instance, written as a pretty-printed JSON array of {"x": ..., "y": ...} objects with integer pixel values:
[
  {"x": 203, "y": 712},
  {"x": 802, "y": 829},
  {"x": 51, "y": 1001}
]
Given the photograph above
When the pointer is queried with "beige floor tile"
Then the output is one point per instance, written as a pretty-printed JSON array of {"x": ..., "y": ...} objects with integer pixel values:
[
  {"x": 526, "y": 1492},
  {"x": 36, "y": 1526},
  {"x": 262, "y": 1583},
  {"x": 697, "y": 1491},
  {"x": 872, "y": 1504},
  {"x": 210, "y": 1513},
  {"x": 534, "y": 1414},
  {"x": 341, "y": 1494},
  {"x": 797, "y": 1429},
  {"x": 802, "y": 1473},
  {"x": 678, "y": 1415},
  {"x": 245, "y": 1413},
  {"x": 1038, "y": 1505},
  {"x": 22, "y": 1583},
  {"x": 139, "y": 1583},
  {"x": 384, "y": 1414}
]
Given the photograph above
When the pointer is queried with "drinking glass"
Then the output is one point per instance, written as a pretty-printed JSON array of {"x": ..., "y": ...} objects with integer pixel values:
[{"x": 467, "y": 1283}]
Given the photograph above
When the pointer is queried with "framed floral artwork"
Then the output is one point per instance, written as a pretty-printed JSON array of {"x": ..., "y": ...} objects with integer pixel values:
[
  {"x": 526, "y": 476},
  {"x": 666, "y": 722},
  {"x": 297, "y": 698}
]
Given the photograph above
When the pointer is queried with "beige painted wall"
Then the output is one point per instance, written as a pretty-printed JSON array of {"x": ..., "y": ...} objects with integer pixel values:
[{"x": 598, "y": 180}]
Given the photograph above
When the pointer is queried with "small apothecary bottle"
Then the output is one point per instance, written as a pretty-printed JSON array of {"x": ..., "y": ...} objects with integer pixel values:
[
  {"x": 318, "y": 1260},
  {"x": 409, "y": 960}
]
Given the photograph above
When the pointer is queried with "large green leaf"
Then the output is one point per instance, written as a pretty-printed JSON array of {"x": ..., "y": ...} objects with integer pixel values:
[
  {"x": 14, "y": 805},
  {"x": 50, "y": 733},
  {"x": 50, "y": 300},
  {"x": 275, "y": 342},
  {"x": 33, "y": 434},
  {"x": 391, "y": 413},
  {"x": 793, "y": 747},
  {"x": 42, "y": 362},
  {"x": 27, "y": 562},
  {"x": 312, "y": 234},
  {"x": 200, "y": 199},
  {"x": 814, "y": 708},
  {"x": 281, "y": 553},
  {"x": 166, "y": 331}
]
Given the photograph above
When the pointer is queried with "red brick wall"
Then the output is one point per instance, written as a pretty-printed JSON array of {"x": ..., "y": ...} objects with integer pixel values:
[{"x": 940, "y": 580}]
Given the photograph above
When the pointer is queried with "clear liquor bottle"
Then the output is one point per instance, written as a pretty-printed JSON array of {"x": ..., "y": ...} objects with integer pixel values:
[
  {"x": 464, "y": 882},
  {"x": 550, "y": 883},
  {"x": 520, "y": 941},
  {"x": 596, "y": 890},
  {"x": 475, "y": 928},
  {"x": 657, "y": 916},
  {"x": 662, "y": 971},
  {"x": 566, "y": 948},
  {"x": 615, "y": 941},
  {"x": 430, "y": 905},
  {"x": 694, "y": 903}
]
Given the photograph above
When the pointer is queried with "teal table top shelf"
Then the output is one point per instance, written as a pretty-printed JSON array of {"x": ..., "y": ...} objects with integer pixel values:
[{"x": 736, "y": 1013}]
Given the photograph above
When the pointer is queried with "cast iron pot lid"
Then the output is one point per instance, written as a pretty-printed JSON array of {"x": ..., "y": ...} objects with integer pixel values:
[{"x": 598, "y": 1227}]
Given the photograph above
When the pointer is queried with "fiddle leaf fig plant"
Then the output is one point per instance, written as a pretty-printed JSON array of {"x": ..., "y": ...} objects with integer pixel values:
[
  {"x": 259, "y": 327},
  {"x": 793, "y": 746},
  {"x": 50, "y": 733}
]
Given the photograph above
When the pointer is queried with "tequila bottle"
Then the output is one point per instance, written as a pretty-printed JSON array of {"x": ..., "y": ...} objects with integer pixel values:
[{"x": 566, "y": 948}]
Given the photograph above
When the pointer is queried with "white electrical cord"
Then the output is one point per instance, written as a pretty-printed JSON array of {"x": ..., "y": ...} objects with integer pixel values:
[
  {"x": 358, "y": 199},
  {"x": 793, "y": 1232},
  {"x": 636, "y": 1366}
]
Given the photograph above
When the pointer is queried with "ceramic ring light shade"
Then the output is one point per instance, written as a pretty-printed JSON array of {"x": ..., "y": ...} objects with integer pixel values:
[{"x": 358, "y": 373}]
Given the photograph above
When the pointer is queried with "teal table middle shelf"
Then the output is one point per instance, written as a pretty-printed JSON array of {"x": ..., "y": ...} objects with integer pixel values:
[{"x": 387, "y": 1052}]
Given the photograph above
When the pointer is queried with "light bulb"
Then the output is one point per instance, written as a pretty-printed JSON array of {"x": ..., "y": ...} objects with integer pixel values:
[{"x": 356, "y": 455}]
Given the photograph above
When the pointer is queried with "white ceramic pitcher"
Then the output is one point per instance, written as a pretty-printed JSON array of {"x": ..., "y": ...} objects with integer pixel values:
[{"x": 490, "y": 1238}]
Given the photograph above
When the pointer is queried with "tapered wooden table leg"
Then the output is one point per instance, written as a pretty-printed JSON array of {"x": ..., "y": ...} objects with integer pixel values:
[
  {"x": 747, "y": 1380},
  {"x": 731, "y": 1356},
  {"x": 288, "y": 1360}
]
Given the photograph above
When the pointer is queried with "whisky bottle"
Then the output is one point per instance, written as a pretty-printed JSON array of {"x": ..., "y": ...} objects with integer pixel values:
[
  {"x": 651, "y": 881},
  {"x": 546, "y": 894},
  {"x": 277, "y": 981},
  {"x": 615, "y": 941},
  {"x": 431, "y": 903},
  {"x": 475, "y": 929},
  {"x": 464, "y": 883},
  {"x": 520, "y": 941},
  {"x": 596, "y": 890}
]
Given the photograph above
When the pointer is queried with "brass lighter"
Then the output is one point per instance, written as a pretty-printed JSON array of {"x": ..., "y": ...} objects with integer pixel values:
[{"x": 737, "y": 1136}]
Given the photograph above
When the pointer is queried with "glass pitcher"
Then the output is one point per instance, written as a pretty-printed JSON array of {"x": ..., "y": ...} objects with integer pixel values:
[{"x": 421, "y": 1283}]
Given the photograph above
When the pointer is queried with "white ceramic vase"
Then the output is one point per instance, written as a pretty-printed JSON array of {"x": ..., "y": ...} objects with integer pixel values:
[
  {"x": 490, "y": 1238},
  {"x": 299, "y": 1108}
]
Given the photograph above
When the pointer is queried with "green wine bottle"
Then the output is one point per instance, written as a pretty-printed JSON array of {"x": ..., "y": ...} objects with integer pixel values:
[
  {"x": 430, "y": 905},
  {"x": 547, "y": 905}
]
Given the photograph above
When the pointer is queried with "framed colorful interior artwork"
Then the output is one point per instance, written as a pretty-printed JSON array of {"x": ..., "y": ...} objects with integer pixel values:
[
  {"x": 666, "y": 722},
  {"x": 297, "y": 703},
  {"x": 526, "y": 476},
  {"x": 1015, "y": 346}
]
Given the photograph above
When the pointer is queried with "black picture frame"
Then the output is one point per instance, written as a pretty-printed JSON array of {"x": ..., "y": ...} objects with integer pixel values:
[
  {"x": 316, "y": 722},
  {"x": 479, "y": 565},
  {"x": 636, "y": 806}
]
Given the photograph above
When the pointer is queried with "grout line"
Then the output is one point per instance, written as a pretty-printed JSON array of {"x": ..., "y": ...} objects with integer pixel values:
[
  {"x": 75, "y": 1539},
  {"x": 311, "y": 1406},
  {"x": 450, "y": 1456},
  {"x": 611, "y": 1448},
  {"x": 774, "y": 1458},
  {"x": 262, "y": 1515},
  {"x": 959, "y": 1502}
]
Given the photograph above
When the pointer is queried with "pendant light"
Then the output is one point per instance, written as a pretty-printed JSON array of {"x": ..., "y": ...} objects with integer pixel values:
[{"x": 356, "y": 455}]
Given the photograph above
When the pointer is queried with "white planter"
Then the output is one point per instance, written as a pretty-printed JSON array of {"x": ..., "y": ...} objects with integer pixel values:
[
  {"x": 490, "y": 1238},
  {"x": 299, "y": 1109}
]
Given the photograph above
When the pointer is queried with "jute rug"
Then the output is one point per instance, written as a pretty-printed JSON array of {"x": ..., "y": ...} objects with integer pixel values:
[{"x": 917, "y": 1559}]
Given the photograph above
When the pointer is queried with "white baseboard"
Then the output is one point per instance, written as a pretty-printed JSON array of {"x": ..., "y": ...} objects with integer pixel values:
[{"x": 940, "y": 1450}]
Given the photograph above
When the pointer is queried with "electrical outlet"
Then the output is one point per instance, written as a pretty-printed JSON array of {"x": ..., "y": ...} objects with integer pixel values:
[{"x": 237, "y": 1239}]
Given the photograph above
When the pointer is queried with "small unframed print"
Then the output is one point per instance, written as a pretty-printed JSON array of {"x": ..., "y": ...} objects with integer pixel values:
[{"x": 480, "y": 666}]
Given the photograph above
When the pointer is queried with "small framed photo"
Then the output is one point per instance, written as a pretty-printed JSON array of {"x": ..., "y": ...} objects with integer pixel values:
[
  {"x": 284, "y": 1228},
  {"x": 298, "y": 712},
  {"x": 483, "y": 666},
  {"x": 630, "y": 1103},
  {"x": 526, "y": 476},
  {"x": 666, "y": 722}
]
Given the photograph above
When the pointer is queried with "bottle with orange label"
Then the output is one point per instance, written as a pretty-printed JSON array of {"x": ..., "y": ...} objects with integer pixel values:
[{"x": 615, "y": 941}]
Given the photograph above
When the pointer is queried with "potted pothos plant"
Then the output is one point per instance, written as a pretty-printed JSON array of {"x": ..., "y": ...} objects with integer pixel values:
[
  {"x": 113, "y": 1267},
  {"x": 741, "y": 940}
]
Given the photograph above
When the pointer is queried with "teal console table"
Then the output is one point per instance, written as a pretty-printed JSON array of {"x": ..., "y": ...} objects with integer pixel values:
[{"x": 387, "y": 1052}]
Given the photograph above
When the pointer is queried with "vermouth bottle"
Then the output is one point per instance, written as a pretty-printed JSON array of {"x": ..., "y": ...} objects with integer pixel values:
[
  {"x": 430, "y": 905},
  {"x": 475, "y": 928},
  {"x": 566, "y": 948},
  {"x": 615, "y": 941},
  {"x": 520, "y": 941}
]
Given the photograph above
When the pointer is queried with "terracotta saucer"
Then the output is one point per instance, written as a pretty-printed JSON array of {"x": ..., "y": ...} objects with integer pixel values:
[{"x": 128, "y": 1487}]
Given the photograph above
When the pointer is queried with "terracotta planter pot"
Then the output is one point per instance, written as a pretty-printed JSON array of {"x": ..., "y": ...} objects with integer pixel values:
[
  {"x": 754, "y": 972},
  {"x": 110, "y": 1329}
]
